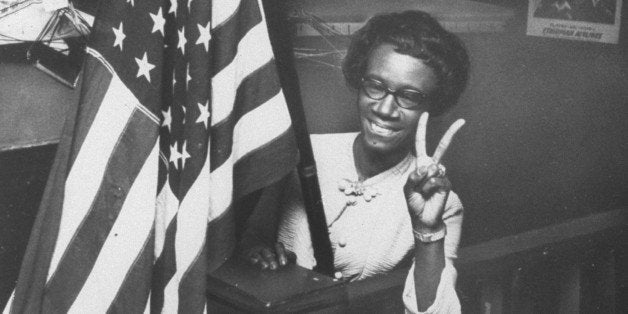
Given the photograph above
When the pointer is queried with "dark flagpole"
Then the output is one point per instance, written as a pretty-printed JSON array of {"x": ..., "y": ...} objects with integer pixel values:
[{"x": 280, "y": 38}]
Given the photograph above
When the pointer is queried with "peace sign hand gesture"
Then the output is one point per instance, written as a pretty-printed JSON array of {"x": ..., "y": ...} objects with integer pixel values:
[{"x": 427, "y": 187}]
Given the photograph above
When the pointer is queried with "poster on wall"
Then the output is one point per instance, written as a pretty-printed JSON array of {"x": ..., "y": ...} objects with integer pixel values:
[{"x": 586, "y": 20}]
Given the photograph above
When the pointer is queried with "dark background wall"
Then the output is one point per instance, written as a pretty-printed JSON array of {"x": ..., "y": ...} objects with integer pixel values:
[{"x": 546, "y": 138}]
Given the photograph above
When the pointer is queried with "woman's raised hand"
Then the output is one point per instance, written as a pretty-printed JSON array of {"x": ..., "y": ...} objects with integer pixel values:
[{"x": 427, "y": 188}]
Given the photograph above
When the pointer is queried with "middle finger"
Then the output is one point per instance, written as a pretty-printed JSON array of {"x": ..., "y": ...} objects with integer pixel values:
[
  {"x": 419, "y": 140},
  {"x": 444, "y": 142}
]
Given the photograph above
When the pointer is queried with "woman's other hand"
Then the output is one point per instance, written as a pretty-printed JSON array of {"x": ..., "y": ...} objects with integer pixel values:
[
  {"x": 269, "y": 258},
  {"x": 427, "y": 188}
]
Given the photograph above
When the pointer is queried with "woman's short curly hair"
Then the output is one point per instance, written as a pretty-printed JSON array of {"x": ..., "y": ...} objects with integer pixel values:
[{"x": 417, "y": 34}]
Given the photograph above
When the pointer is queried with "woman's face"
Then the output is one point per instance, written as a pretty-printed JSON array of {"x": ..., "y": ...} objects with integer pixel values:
[{"x": 387, "y": 127}]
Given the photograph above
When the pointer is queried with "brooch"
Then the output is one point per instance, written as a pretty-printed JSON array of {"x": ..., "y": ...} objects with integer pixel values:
[{"x": 353, "y": 189}]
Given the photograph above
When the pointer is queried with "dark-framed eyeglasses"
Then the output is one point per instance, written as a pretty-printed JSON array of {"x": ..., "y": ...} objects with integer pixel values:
[{"x": 405, "y": 98}]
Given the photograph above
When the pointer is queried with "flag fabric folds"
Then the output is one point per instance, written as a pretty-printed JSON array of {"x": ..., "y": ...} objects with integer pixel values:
[{"x": 181, "y": 114}]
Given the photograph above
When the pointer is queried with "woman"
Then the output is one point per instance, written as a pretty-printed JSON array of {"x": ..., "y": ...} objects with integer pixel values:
[{"x": 385, "y": 199}]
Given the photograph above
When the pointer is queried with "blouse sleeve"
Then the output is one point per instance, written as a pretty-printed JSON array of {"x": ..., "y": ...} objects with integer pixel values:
[{"x": 446, "y": 300}]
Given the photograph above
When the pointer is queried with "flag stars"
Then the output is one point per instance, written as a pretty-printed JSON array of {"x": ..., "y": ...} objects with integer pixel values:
[
  {"x": 132, "y": 2},
  {"x": 119, "y": 33},
  {"x": 158, "y": 22},
  {"x": 204, "y": 114},
  {"x": 173, "y": 7},
  {"x": 176, "y": 155},
  {"x": 184, "y": 154},
  {"x": 182, "y": 41},
  {"x": 204, "y": 36},
  {"x": 144, "y": 67},
  {"x": 188, "y": 78},
  {"x": 167, "y": 122}
]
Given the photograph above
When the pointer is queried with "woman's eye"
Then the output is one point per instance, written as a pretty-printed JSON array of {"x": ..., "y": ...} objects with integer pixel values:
[{"x": 414, "y": 97}]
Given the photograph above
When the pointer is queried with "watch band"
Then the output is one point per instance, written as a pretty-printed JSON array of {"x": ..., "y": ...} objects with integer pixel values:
[{"x": 430, "y": 237}]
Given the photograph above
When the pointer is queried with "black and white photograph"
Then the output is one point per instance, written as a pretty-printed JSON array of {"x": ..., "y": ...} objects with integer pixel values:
[{"x": 313, "y": 156}]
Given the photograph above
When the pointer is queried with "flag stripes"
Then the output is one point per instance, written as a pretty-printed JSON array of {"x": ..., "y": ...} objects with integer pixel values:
[
  {"x": 227, "y": 36},
  {"x": 135, "y": 289},
  {"x": 247, "y": 181},
  {"x": 191, "y": 289},
  {"x": 191, "y": 224},
  {"x": 93, "y": 71},
  {"x": 125, "y": 239},
  {"x": 225, "y": 10},
  {"x": 88, "y": 169},
  {"x": 252, "y": 54},
  {"x": 110, "y": 211},
  {"x": 245, "y": 142},
  {"x": 165, "y": 264},
  {"x": 259, "y": 87}
]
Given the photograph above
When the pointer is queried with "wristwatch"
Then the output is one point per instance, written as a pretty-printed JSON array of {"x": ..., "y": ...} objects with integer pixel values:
[{"x": 431, "y": 237}]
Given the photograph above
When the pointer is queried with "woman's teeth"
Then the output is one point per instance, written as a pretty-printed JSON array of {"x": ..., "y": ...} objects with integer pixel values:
[{"x": 380, "y": 130}]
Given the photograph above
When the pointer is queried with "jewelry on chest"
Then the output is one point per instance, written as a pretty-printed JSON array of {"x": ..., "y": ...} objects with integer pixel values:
[{"x": 353, "y": 190}]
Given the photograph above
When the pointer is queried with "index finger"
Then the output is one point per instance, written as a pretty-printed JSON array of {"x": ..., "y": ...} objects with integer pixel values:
[
  {"x": 444, "y": 142},
  {"x": 419, "y": 139}
]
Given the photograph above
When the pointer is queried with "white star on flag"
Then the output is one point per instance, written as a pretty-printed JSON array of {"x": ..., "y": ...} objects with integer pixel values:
[
  {"x": 173, "y": 7},
  {"x": 167, "y": 119},
  {"x": 188, "y": 78},
  {"x": 144, "y": 67},
  {"x": 182, "y": 41},
  {"x": 158, "y": 22},
  {"x": 204, "y": 116},
  {"x": 204, "y": 36},
  {"x": 174, "y": 155},
  {"x": 184, "y": 154},
  {"x": 131, "y": 1},
  {"x": 119, "y": 33}
]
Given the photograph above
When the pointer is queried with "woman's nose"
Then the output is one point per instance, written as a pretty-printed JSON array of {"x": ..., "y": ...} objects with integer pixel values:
[{"x": 386, "y": 107}]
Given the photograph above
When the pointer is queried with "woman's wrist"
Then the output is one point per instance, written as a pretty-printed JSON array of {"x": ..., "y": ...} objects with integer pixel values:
[
  {"x": 428, "y": 234},
  {"x": 420, "y": 226}
]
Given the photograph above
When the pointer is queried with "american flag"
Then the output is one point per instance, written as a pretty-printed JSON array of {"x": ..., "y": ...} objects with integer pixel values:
[{"x": 181, "y": 114}]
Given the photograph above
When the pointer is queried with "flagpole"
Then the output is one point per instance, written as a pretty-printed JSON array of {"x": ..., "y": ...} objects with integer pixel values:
[{"x": 282, "y": 47}]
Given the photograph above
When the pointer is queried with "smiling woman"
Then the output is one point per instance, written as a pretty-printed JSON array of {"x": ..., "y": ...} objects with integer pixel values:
[{"x": 387, "y": 202}]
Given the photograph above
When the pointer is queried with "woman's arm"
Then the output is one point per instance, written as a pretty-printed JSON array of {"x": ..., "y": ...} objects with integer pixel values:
[
  {"x": 258, "y": 244},
  {"x": 427, "y": 191},
  {"x": 429, "y": 261}
]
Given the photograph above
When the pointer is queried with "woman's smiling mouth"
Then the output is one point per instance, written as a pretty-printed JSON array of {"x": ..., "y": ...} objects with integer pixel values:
[{"x": 381, "y": 130}]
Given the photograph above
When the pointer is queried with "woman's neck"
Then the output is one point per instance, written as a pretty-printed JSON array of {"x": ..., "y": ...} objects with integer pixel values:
[{"x": 369, "y": 163}]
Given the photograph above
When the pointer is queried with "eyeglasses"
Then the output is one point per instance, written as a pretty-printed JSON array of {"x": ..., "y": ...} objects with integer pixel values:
[{"x": 405, "y": 98}]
